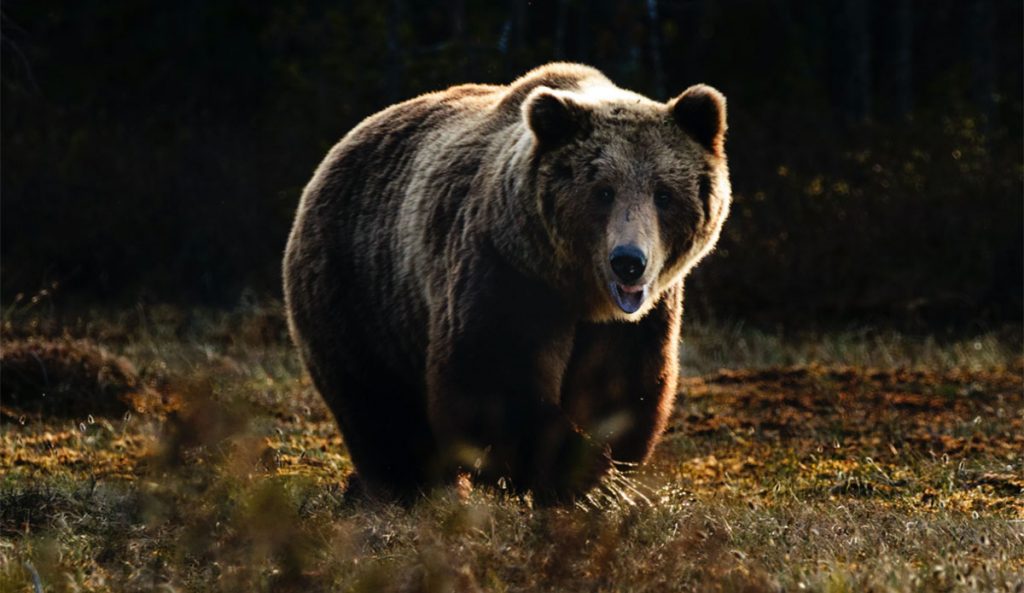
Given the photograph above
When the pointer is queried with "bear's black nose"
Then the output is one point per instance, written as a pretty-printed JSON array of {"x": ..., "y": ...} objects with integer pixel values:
[{"x": 628, "y": 263}]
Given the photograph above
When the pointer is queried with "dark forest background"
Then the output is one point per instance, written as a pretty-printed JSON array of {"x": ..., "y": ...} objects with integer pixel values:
[{"x": 156, "y": 151}]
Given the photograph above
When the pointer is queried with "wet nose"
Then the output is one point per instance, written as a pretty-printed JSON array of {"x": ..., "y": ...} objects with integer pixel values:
[{"x": 628, "y": 263}]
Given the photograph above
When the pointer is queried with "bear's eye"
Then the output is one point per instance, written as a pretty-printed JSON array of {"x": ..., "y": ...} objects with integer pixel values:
[
  {"x": 605, "y": 195},
  {"x": 662, "y": 198}
]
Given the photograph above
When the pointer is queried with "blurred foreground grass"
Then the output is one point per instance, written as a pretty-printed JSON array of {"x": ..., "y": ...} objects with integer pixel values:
[{"x": 842, "y": 461}]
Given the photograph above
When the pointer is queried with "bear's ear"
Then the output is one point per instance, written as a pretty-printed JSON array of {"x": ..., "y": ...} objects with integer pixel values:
[
  {"x": 700, "y": 112},
  {"x": 554, "y": 117}
]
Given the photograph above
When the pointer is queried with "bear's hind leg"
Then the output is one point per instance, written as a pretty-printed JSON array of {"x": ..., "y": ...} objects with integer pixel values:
[{"x": 388, "y": 439}]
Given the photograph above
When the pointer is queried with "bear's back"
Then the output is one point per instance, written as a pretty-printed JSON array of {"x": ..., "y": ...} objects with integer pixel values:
[
  {"x": 474, "y": 109},
  {"x": 559, "y": 76},
  {"x": 483, "y": 103}
]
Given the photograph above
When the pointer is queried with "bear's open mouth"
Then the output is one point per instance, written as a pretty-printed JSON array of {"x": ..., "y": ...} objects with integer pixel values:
[{"x": 629, "y": 298}]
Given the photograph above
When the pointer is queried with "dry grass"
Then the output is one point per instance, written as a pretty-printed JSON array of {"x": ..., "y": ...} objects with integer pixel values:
[
  {"x": 67, "y": 378},
  {"x": 796, "y": 465}
]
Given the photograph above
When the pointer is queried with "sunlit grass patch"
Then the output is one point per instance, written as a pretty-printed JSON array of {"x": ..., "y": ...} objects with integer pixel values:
[{"x": 710, "y": 346}]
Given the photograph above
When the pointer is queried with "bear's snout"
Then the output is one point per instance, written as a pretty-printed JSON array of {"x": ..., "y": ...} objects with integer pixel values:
[{"x": 628, "y": 262}]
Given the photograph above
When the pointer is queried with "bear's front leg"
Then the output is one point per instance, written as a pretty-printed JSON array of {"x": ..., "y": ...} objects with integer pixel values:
[
  {"x": 499, "y": 343},
  {"x": 622, "y": 378}
]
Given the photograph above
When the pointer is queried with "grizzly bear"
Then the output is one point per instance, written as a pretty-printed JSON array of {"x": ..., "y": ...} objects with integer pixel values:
[{"x": 489, "y": 279}]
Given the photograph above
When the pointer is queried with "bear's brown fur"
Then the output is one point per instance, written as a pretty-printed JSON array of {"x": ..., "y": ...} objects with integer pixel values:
[{"x": 449, "y": 285}]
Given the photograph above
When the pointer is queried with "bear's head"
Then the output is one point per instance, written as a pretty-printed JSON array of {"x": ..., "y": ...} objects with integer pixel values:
[{"x": 631, "y": 192}]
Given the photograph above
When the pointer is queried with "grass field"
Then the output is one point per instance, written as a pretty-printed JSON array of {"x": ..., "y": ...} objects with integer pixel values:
[{"x": 191, "y": 454}]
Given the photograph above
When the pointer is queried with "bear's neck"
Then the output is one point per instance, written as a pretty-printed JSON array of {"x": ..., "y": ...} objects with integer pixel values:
[{"x": 517, "y": 226}]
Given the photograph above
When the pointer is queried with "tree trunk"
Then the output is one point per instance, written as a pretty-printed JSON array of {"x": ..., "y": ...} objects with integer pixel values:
[
  {"x": 395, "y": 65},
  {"x": 560, "y": 20},
  {"x": 980, "y": 28},
  {"x": 654, "y": 38},
  {"x": 583, "y": 32},
  {"x": 895, "y": 28},
  {"x": 904, "y": 59},
  {"x": 853, "y": 60},
  {"x": 463, "y": 52}
]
